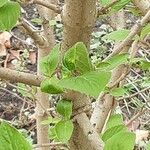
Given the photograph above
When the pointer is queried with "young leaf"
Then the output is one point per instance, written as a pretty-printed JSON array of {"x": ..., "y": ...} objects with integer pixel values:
[
  {"x": 121, "y": 141},
  {"x": 114, "y": 121},
  {"x": 113, "y": 62},
  {"x": 64, "y": 108},
  {"x": 23, "y": 90},
  {"x": 145, "y": 31},
  {"x": 52, "y": 133},
  {"x": 51, "y": 86},
  {"x": 48, "y": 121},
  {"x": 64, "y": 130},
  {"x": 117, "y": 36},
  {"x": 119, "y": 5},
  {"x": 38, "y": 21},
  {"x": 91, "y": 83},
  {"x": 3, "y": 2},
  {"x": 9, "y": 14},
  {"x": 76, "y": 58},
  {"x": 148, "y": 146},
  {"x": 117, "y": 60},
  {"x": 103, "y": 65},
  {"x": 117, "y": 92},
  {"x": 145, "y": 65},
  {"x": 104, "y": 2},
  {"x": 112, "y": 131},
  {"x": 49, "y": 63},
  {"x": 11, "y": 139}
]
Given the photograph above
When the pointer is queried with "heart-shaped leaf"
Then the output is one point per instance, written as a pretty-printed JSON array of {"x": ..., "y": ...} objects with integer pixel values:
[{"x": 91, "y": 83}]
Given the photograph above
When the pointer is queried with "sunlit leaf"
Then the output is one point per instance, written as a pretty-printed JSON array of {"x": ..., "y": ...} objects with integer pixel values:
[
  {"x": 11, "y": 139},
  {"x": 64, "y": 130},
  {"x": 64, "y": 108},
  {"x": 91, "y": 83},
  {"x": 9, "y": 14}
]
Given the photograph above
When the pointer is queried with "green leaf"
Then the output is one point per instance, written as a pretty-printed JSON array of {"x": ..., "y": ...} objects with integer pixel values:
[
  {"x": 52, "y": 22},
  {"x": 104, "y": 2},
  {"x": 145, "y": 65},
  {"x": 38, "y": 21},
  {"x": 117, "y": 60},
  {"x": 49, "y": 63},
  {"x": 91, "y": 83},
  {"x": 114, "y": 120},
  {"x": 119, "y": 5},
  {"x": 121, "y": 141},
  {"x": 22, "y": 89},
  {"x": 51, "y": 86},
  {"x": 103, "y": 65},
  {"x": 117, "y": 36},
  {"x": 52, "y": 133},
  {"x": 134, "y": 10},
  {"x": 145, "y": 31},
  {"x": 76, "y": 58},
  {"x": 148, "y": 146},
  {"x": 64, "y": 108},
  {"x": 11, "y": 139},
  {"x": 113, "y": 62},
  {"x": 3, "y": 2},
  {"x": 112, "y": 131},
  {"x": 9, "y": 14},
  {"x": 64, "y": 130},
  {"x": 47, "y": 121},
  {"x": 118, "y": 92}
]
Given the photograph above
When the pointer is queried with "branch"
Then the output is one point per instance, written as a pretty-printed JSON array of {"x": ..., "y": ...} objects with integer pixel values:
[
  {"x": 128, "y": 40},
  {"x": 136, "y": 116},
  {"x": 16, "y": 76},
  {"x": 53, "y": 7},
  {"x": 36, "y": 37},
  {"x": 133, "y": 95},
  {"x": 143, "y": 5},
  {"x": 89, "y": 131}
]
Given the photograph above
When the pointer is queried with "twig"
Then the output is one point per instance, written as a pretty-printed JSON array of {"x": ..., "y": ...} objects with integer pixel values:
[
  {"x": 22, "y": 99},
  {"x": 128, "y": 40},
  {"x": 135, "y": 94},
  {"x": 141, "y": 94},
  {"x": 136, "y": 116},
  {"x": 55, "y": 8},
  {"x": 124, "y": 74},
  {"x": 37, "y": 37}
]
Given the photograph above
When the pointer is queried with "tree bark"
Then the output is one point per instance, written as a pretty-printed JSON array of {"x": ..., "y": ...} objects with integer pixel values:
[
  {"x": 106, "y": 103},
  {"x": 143, "y": 5},
  {"x": 43, "y": 98},
  {"x": 79, "y": 19}
]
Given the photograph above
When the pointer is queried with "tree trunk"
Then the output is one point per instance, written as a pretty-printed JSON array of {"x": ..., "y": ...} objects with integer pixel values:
[
  {"x": 79, "y": 19},
  {"x": 43, "y": 98}
]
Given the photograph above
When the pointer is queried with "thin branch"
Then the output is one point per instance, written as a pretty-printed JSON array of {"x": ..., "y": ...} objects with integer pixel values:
[
  {"x": 142, "y": 5},
  {"x": 124, "y": 74},
  {"x": 55, "y": 8},
  {"x": 128, "y": 40},
  {"x": 16, "y": 76},
  {"x": 136, "y": 116},
  {"x": 37, "y": 37},
  {"x": 14, "y": 94},
  {"x": 133, "y": 95}
]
